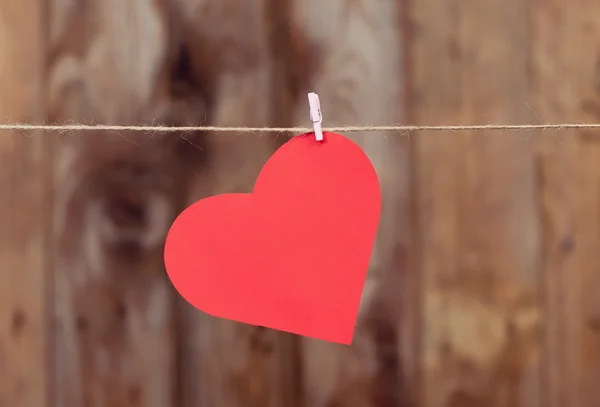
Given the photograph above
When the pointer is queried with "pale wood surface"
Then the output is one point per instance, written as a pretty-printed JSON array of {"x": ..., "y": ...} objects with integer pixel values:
[
  {"x": 25, "y": 161},
  {"x": 355, "y": 47},
  {"x": 116, "y": 195},
  {"x": 568, "y": 165},
  {"x": 478, "y": 219}
]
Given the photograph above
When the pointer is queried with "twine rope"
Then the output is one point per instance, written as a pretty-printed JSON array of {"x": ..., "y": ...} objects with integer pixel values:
[{"x": 343, "y": 129}]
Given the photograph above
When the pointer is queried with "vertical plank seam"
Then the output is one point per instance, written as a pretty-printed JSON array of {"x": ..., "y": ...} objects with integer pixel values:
[
  {"x": 538, "y": 196},
  {"x": 414, "y": 263},
  {"x": 49, "y": 363}
]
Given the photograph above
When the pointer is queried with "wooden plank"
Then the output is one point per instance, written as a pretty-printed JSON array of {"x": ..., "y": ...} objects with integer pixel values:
[
  {"x": 24, "y": 211},
  {"x": 354, "y": 64},
  {"x": 565, "y": 89},
  {"x": 116, "y": 194},
  {"x": 435, "y": 97},
  {"x": 478, "y": 219},
  {"x": 225, "y": 363}
]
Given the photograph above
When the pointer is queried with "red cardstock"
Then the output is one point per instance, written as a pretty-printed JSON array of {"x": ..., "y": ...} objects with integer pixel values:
[{"x": 294, "y": 254}]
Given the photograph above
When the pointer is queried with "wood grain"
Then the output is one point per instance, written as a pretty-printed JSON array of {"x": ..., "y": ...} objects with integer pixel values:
[
  {"x": 230, "y": 60},
  {"x": 116, "y": 194},
  {"x": 566, "y": 88},
  {"x": 478, "y": 219},
  {"x": 24, "y": 212},
  {"x": 482, "y": 285},
  {"x": 353, "y": 54},
  {"x": 225, "y": 363}
]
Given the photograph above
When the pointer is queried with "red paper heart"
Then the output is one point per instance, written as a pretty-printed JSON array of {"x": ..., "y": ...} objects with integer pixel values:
[{"x": 294, "y": 254}]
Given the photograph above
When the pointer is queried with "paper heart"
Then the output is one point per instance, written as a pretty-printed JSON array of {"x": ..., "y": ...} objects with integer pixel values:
[{"x": 294, "y": 254}]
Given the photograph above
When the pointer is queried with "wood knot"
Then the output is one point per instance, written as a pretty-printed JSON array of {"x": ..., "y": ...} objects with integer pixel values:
[
  {"x": 126, "y": 209},
  {"x": 133, "y": 222},
  {"x": 81, "y": 323},
  {"x": 260, "y": 341},
  {"x": 135, "y": 395},
  {"x": 461, "y": 398},
  {"x": 19, "y": 320},
  {"x": 120, "y": 310},
  {"x": 594, "y": 324},
  {"x": 567, "y": 244}
]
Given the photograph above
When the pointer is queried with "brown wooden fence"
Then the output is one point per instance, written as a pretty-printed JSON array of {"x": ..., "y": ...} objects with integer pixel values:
[{"x": 484, "y": 278}]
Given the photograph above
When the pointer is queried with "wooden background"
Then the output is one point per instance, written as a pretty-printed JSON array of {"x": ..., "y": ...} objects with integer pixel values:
[{"x": 481, "y": 290}]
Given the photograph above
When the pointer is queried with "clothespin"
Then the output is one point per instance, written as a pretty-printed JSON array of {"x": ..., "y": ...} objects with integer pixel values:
[{"x": 315, "y": 115}]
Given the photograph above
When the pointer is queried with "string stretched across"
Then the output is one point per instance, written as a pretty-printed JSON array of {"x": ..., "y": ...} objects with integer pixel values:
[{"x": 343, "y": 129}]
